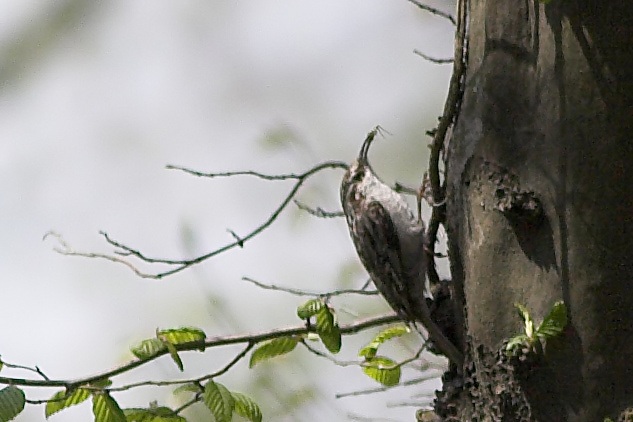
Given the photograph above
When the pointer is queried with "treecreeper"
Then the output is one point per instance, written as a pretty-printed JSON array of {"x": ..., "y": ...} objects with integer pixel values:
[{"x": 390, "y": 242}]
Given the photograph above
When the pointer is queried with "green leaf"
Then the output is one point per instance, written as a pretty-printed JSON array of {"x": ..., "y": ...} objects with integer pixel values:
[
  {"x": 63, "y": 399},
  {"x": 272, "y": 348},
  {"x": 174, "y": 354},
  {"x": 153, "y": 414},
  {"x": 383, "y": 370},
  {"x": 310, "y": 308},
  {"x": 528, "y": 323},
  {"x": 371, "y": 349},
  {"x": 517, "y": 341},
  {"x": 106, "y": 409},
  {"x": 12, "y": 401},
  {"x": 187, "y": 388},
  {"x": 554, "y": 322},
  {"x": 328, "y": 330},
  {"x": 183, "y": 335},
  {"x": 246, "y": 407},
  {"x": 149, "y": 348},
  {"x": 1, "y": 365},
  {"x": 219, "y": 401}
]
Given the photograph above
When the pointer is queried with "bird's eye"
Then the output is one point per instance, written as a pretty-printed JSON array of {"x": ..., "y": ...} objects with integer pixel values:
[{"x": 357, "y": 176}]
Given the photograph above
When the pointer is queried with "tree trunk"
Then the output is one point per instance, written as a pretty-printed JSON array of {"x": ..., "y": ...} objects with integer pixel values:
[{"x": 540, "y": 208}]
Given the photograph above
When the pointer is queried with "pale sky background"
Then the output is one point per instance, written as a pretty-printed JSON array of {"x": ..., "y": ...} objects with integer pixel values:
[{"x": 97, "y": 97}]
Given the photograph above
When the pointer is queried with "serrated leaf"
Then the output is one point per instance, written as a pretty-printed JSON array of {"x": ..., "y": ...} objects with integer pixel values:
[
  {"x": 310, "y": 308},
  {"x": 219, "y": 401},
  {"x": 153, "y": 414},
  {"x": 174, "y": 354},
  {"x": 106, "y": 409},
  {"x": 187, "y": 388},
  {"x": 246, "y": 407},
  {"x": 383, "y": 370},
  {"x": 554, "y": 322},
  {"x": 148, "y": 348},
  {"x": 63, "y": 399},
  {"x": 12, "y": 401},
  {"x": 370, "y": 350},
  {"x": 183, "y": 335},
  {"x": 272, "y": 348},
  {"x": 328, "y": 330}
]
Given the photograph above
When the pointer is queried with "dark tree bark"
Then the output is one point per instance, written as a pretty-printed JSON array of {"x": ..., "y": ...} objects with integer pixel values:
[{"x": 540, "y": 207}]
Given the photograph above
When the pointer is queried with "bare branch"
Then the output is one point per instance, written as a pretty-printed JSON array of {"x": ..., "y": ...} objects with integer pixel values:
[
  {"x": 344, "y": 363},
  {"x": 122, "y": 250},
  {"x": 410, "y": 403},
  {"x": 361, "y": 418},
  {"x": 299, "y": 292},
  {"x": 434, "y": 11},
  {"x": 193, "y": 401},
  {"x": 26, "y": 368},
  {"x": 228, "y": 366},
  {"x": 318, "y": 211},
  {"x": 384, "y": 388},
  {"x": 431, "y": 58},
  {"x": 449, "y": 116}
]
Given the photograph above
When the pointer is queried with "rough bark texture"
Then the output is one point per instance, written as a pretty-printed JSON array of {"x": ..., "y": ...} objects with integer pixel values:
[{"x": 540, "y": 204}]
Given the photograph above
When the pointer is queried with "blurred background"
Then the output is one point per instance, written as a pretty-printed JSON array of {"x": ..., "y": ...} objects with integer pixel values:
[{"x": 96, "y": 98}]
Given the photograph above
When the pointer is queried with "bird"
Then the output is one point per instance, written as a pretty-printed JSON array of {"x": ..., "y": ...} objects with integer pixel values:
[{"x": 390, "y": 242}]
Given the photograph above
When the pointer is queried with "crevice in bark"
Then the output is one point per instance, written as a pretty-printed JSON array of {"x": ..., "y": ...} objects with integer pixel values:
[{"x": 498, "y": 387}]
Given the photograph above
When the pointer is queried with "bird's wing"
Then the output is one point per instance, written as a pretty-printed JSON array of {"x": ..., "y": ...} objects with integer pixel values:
[{"x": 380, "y": 252}]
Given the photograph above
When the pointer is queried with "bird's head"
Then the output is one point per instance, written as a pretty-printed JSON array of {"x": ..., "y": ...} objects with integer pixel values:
[{"x": 360, "y": 168}]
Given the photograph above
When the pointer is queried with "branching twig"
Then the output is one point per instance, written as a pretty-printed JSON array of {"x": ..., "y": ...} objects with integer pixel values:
[
  {"x": 450, "y": 106},
  {"x": 299, "y": 292},
  {"x": 383, "y": 388},
  {"x": 210, "y": 342},
  {"x": 453, "y": 99},
  {"x": 123, "y": 250},
  {"x": 318, "y": 211},
  {"x": 357, "y": 363},
  {"x": 26, "y": 368},
  {"x": 221, "y": 371}
]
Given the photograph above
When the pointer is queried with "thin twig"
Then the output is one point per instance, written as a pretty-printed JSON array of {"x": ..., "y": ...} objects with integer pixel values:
[
  {"x": 122, "y": 250},
  {"x": 26, "y": 368},
  {"x": 189, "y": 403},
  {"x": 368, "y": 363},
  {"x": 209, "y": 342},
  {"x": 384, "y": 388},
  {"x": 415, "y": 404},
  {"x": 449, "y": 116},
  {"x": 431, "y": 58},
  {"x": 434, "y": 11},
  {"x": 361, "y": 418},
  {"x": 450, "y": 106},
  {"x": 300, "y": 292},
  {"x": 318, "y": 211},
  {"x": 221, "y": 371}
]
